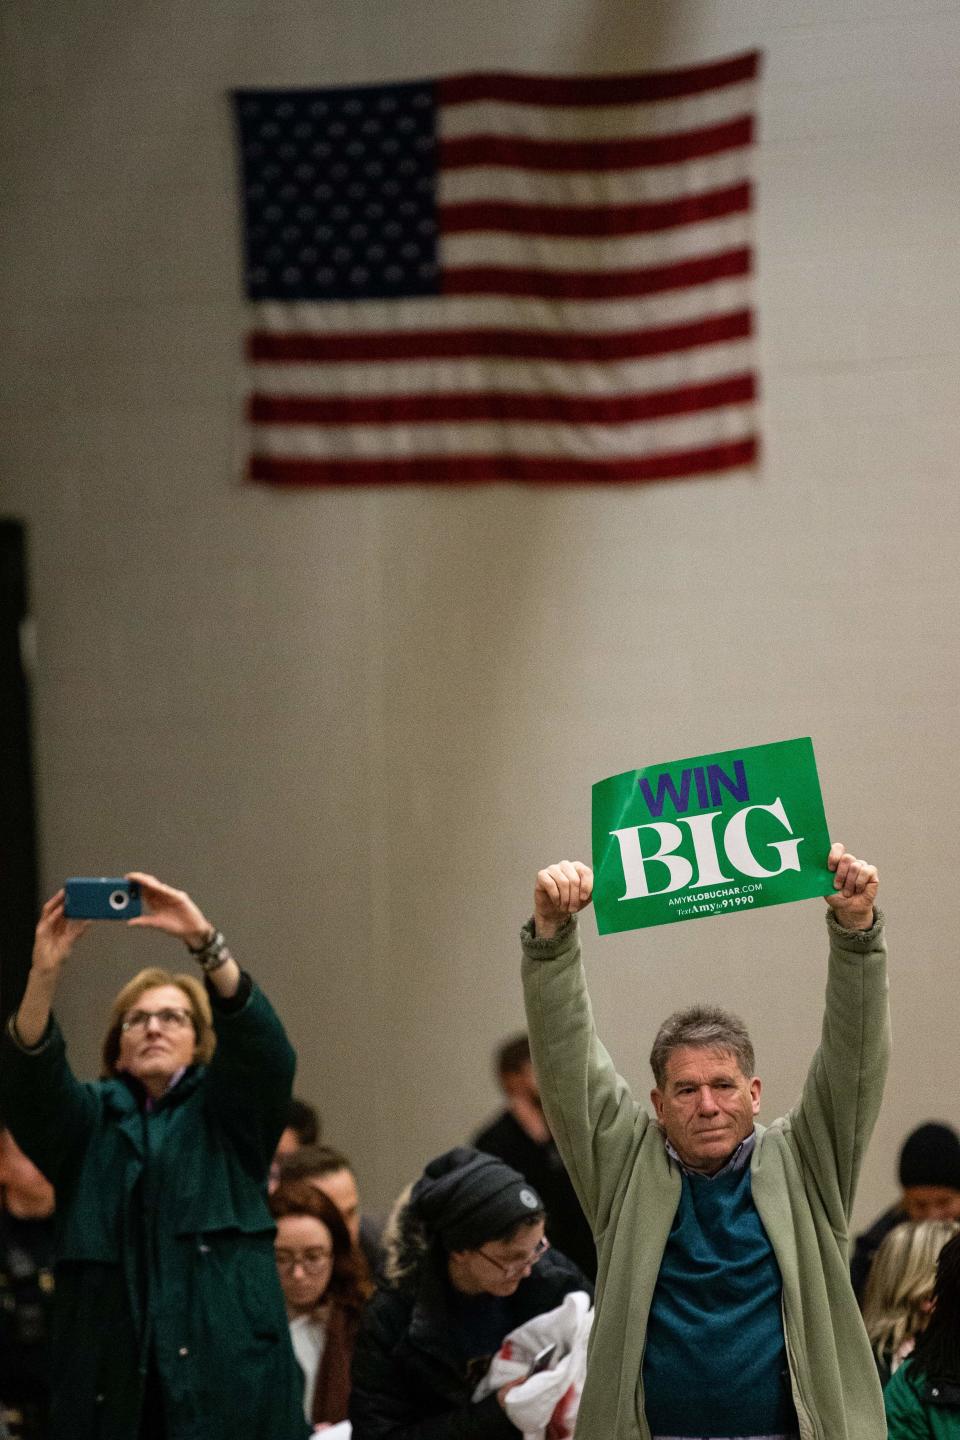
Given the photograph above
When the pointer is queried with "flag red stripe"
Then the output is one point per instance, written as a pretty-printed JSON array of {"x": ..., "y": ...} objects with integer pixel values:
[
  {"x": 521, "y": 153},
  {"x": 594, "y": 285},
  {"x": 626, "y": 89},
  {"x": 519, "y": 218},
  {"x": 500, "y": 343},
  {"x": 482, "y": 469},
  {"x": 500, "y": 406}
]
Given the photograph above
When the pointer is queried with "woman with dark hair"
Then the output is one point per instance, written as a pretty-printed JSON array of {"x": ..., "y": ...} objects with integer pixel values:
[
  {"x": 325, "y": 1284},
  {"x": 467, "y": 1263},
  {"x": 923, "y": 1399}
]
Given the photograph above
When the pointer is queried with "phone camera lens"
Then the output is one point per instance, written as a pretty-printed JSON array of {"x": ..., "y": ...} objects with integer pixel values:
[{"x": 119, "y": 899}]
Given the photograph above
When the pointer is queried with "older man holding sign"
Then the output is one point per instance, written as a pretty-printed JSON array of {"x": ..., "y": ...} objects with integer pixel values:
[{"x": 724, "y": 1302}]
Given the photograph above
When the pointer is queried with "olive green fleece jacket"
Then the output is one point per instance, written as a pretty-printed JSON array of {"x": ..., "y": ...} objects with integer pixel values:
[{"x": 804, "y": 1175}]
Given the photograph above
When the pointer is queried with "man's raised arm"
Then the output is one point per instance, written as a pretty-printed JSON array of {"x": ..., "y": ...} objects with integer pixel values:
[
  {"x": 594, "y": 1119},
  {"x": 844, "y": 1086}
]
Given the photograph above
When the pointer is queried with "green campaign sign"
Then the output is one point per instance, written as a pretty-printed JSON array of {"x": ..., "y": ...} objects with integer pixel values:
[{"x": 708, "y": 836}]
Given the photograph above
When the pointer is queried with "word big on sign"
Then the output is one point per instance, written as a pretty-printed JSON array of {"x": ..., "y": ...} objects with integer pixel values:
[{"x": 708, "y": 783}]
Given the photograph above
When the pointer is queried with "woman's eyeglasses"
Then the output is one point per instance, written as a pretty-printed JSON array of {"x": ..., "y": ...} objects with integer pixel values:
[
  {"x": 166, "y": 1019},
  {"x": 310, "y": 1261},
  {"x": 517, "y": 1267}
]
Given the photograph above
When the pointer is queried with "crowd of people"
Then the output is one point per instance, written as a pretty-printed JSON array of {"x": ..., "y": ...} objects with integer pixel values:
[{"x": 184, "y": 1257}]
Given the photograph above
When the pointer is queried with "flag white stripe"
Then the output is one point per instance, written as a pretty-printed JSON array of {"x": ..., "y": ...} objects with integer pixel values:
[
  {"x": 546, "y": 377},
  {"x": 625, "y": 252},
  {"x": 617, "y": 187},
  {"x": 456, "y": 312},
  {"x": 597, "y": 122},
  {"x": 598, "y": 442}
]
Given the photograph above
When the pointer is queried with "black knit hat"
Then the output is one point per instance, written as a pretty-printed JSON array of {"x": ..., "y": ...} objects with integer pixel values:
[
  {"x": 931, "y": 1156},
  {"x": 466, "y": 1198}
]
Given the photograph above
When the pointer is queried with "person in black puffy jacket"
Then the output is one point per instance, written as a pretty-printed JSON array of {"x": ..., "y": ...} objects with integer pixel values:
[{"x": 467, "y": 1263}]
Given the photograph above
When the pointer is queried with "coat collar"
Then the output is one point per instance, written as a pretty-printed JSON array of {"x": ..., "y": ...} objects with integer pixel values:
[
  {"x": 123, "y": 1094},
  {"x": 125, "y": 1099},
  {"x": 739, "y": 1160}
]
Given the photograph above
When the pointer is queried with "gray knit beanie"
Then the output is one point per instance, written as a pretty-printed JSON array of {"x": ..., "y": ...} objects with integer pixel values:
[{"x": 466, "y": 1198}]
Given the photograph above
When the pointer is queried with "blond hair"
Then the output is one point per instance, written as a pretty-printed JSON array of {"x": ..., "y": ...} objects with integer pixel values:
[
  {"x": 199, "y": 1006},
  {"x": 896, "y": 1305}
]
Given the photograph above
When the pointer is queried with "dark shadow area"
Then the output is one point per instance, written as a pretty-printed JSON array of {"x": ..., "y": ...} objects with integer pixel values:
[{"x": 18, "y": 846}]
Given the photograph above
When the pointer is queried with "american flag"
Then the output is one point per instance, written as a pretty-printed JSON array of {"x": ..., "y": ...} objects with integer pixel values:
[{"x": 501, "y": 277}]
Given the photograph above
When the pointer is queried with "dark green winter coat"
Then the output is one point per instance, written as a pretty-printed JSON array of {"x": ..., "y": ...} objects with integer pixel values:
[
  {"x": 920, "y": 1408},
  {"x": 165, "y": 1242}
]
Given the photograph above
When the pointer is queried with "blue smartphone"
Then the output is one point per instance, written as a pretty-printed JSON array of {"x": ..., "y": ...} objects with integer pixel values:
[{"x": 101, "y": 898}]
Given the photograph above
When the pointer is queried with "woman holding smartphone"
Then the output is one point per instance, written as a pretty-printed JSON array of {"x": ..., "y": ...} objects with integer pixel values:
[{"x": 169, "y": 1318}]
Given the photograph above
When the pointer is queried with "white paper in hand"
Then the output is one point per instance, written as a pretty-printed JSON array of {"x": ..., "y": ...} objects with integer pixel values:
[{"x": 551, "y": 1398}]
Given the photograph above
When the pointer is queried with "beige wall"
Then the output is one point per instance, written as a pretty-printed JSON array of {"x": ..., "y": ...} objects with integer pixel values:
[{"x": 355, "y": 725}]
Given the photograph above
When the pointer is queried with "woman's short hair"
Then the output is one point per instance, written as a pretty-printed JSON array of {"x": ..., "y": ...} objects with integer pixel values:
[
  {"x": 350, "y": 1281},
  {"x": 151, "y": 979},
  {"x": 896, "y": 1304}
]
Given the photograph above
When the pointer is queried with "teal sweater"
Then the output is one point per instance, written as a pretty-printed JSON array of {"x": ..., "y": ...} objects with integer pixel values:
[
  {"x": 715, "y": 1362},
  {"x": 804, "y": 1172}
]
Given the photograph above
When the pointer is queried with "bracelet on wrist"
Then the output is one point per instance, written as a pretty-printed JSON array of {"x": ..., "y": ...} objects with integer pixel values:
[
  {"x": 212, "y": 954},
  {"x": 199, "y": 949}
]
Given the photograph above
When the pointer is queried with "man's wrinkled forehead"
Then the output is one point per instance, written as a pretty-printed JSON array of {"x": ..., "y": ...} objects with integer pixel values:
[{"x": 703, "y": 1063}]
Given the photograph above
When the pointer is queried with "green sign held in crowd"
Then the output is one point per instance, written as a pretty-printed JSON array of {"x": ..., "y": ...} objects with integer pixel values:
[{"x": 708, "y": 836}]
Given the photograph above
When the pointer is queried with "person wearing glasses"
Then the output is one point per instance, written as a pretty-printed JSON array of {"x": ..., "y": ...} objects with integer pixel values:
[
  {"x": 467, "y": 1263},
  {"x": 169, "y": 1318},
  {"x": 325, "y": 1283}
]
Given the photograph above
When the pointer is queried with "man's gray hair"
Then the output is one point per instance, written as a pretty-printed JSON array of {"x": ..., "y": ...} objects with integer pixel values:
[{"x": 706, "y": 1026}]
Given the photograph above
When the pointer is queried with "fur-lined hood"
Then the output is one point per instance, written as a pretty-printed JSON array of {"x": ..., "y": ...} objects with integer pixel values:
[{"x": 406, "y": 1244}]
